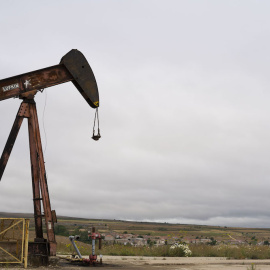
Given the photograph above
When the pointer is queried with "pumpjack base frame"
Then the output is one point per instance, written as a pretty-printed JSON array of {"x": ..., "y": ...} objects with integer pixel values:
[
  {"x": 39, "y": 181},
  {"x": 73, "y": 67}
]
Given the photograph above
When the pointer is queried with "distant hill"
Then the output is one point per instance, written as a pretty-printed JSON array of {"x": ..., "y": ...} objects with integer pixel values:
[
  {"x": 28, "y": 215},
  {"x": 16, "y": 215},
  {"x": 157, "y": 230}
]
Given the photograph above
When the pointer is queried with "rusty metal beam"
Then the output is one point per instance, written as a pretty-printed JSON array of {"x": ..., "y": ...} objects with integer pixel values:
[
  {"x": 73, "y": 67},
  {"x": 36, "y": 80},
  {"x": 22, "y": 112},
  {"x": 43, "y": 180},
  {"x": 35, "y": 174}
]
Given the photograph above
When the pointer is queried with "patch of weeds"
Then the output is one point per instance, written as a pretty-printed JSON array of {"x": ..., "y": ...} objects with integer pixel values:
[{"x": 252, "y": 267}]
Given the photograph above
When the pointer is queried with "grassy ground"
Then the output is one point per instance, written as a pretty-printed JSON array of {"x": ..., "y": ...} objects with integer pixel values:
[
  {"x": 176, "y": 231},
  {"x": 180, "y": 231},
  {"x": 228, "y": 251},
  {"x": 235, "y": 252},
  {"x": 231, "y": 251}
]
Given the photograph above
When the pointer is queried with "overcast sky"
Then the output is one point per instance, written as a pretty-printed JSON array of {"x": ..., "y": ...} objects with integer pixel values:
[{"x": 184, "y": 109}]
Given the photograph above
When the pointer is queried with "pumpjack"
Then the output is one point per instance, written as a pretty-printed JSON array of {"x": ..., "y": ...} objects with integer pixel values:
[{"x": 73, "y": 67}]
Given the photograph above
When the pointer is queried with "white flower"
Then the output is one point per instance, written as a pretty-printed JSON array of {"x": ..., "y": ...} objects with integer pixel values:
[{"x": 183, "y": 247}]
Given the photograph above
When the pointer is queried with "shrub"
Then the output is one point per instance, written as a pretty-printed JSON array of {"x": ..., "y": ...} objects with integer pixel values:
[
  {"x": 180, "y": 250},
  {"x": 162, "y": 229},
  {"x": 61, "y": 230}
]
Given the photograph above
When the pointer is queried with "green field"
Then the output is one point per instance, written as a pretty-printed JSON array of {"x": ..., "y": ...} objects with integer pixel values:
[{"x": 253, "y": 242}]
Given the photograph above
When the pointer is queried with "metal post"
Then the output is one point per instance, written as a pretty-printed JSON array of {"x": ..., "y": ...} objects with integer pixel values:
[
  {"x": 71, "y": 238},
  {"x": 26, "y": 242},
  {"x": 35, "y": 176},
  {"x": 93, "y": 241},
  {"x": 11, "y": 140},
  {"x": 43, "y": 182},
  {"x": 93, "y": 246},
  {"x": 99, "y": 243}
]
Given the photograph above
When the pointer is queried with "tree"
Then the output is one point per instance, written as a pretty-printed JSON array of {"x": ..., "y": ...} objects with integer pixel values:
[
  {"x": 213, "y": 242},
  {"x": 61, "y": 230}
]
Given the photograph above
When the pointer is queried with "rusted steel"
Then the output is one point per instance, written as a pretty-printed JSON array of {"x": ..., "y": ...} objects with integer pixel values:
[
  {"x": 54, "y": 217},
  {"x": 35, "y": 80},
  {"x": 35, "y": 174},
  {"x": 73, "y": 67},
  {"x": 43, "y": 182},
  {"x": 11, "y": 140},
  {"x": 38, "y": 254},
  {"x": 39, "y": 181},
  {"x": 24, "y": 110}
]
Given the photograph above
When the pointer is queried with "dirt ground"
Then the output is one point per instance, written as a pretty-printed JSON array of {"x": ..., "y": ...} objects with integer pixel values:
[
  {"x": 151, "y": 263},
  {"x": 201, "y": 263}
]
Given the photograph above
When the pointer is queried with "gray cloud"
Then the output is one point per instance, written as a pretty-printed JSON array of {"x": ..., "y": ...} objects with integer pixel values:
[{"x": 184, "y": 109}]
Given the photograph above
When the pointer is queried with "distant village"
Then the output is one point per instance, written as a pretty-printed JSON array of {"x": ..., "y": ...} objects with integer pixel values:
[
  {"x": 142, "y": 240},
  {"x": 125, "y": 238}
]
